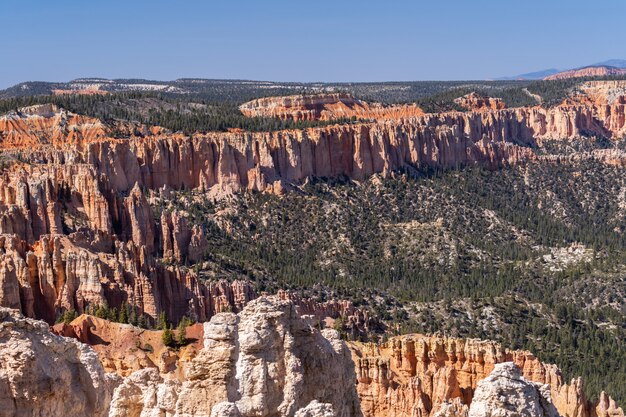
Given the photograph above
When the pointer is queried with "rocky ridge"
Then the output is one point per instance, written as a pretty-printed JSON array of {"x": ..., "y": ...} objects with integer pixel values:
[
  {"x": 474, "y": 101},
  {"x": 325, "y": 107},
  {"x": 42, "y": 374},
  {"x": 505, "y": 392},
  {"x": 592, "y": 71},
  {"x": 266, "y": 361}
]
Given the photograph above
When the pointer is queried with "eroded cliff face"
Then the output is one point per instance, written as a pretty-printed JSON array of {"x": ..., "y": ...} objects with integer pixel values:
[
  {"x": 431, "y": 376},
  {"x": 77, "y": 227},
  {"x": 266, "y": 361}
]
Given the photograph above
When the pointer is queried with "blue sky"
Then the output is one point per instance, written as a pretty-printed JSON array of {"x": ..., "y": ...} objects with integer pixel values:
[{"x": 315, "y": 40}]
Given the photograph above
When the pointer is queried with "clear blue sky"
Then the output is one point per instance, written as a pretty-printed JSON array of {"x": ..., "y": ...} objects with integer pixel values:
[{"x": 314, "y": 40}]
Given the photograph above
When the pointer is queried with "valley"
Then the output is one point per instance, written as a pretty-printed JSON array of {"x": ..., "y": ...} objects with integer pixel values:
[{"x": 446, "y": 211}]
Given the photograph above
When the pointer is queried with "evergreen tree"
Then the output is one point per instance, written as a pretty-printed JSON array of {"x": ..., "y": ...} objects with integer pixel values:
[
  {"x": 181, "y": 338},
  {"x": 167, "y": 337},
  {"x": 123, "y": 314}
]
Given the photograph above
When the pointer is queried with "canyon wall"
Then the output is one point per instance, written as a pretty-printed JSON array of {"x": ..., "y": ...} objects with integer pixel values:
[
  {"x": 77, "y": 227},
  {"x": 417, "y": 375}
]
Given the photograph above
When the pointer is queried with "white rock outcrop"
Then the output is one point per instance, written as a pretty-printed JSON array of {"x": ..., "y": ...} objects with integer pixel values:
[
  {"x": 505, "y": 393},
  {"x": 42, "y": 374},
  {"x": 267, "y": 361}
]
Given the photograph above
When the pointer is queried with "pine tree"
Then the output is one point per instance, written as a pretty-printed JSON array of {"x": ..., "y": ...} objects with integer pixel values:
[
  {"x": 181, "y": 338},
  {"x": 101, "y": 311},
  {"x": 141, "y": 322},
  {"x": 123, "y": 314},
  {"x": 132, "y": 316},
  {"x": 162, "y": 321},
  {"x": 167, "y": 337}
]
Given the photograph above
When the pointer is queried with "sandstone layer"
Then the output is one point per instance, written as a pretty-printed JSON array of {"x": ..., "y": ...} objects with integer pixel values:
[
  {"x": 325, "y": 107},
  {"x": 426, "y": 376}
]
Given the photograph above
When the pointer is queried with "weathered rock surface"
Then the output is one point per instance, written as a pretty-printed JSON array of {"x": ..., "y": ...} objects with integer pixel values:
[
  {"x": 266, "y": 361},
  {"x": 42, "y": 374},
  {"x": 270, "y": 361},
  {"x": 427, "y": 376},
  {"x": 124, "y": 349},
  {"x": 506, "y": 393}
]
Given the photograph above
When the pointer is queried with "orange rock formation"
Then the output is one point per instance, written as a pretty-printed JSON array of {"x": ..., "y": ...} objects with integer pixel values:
[
  {"x": 417, "y": 375},
  {"x": 473, "y": 101},
  {"x": 124, "y": 349},
  {"x": 325, "y": 107}
]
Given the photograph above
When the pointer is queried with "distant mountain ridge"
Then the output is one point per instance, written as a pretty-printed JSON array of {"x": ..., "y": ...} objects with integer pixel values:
[{"x": 544, "y": 74}]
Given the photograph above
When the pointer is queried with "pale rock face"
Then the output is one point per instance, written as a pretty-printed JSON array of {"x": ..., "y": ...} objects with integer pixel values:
[
  {"x": 267, "y": 361},
  {"x": 505, "y": 393},
  {"x": 145, "y": 394},
  {"x": 42, "y": 374},
  {"x": 316, "y": 409},
  {"x": 453, "y": 408}
]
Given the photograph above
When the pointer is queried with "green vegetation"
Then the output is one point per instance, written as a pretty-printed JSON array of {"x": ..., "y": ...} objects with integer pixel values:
[
  {"x": 174, "y": 113},
  {"x": 541, "y": 248},
  {"x": 167, "y": 337}
]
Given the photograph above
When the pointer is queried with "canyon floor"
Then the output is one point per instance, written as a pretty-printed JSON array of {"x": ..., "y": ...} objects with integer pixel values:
[{"x": 407, "y": 224}]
